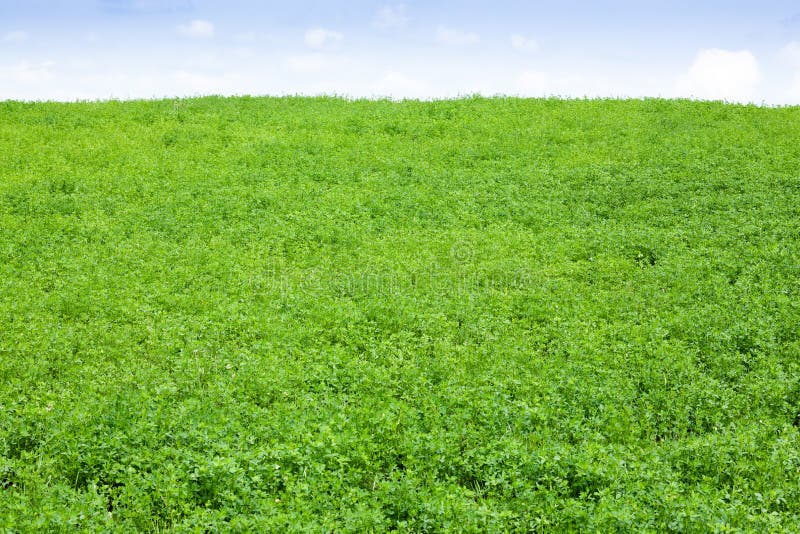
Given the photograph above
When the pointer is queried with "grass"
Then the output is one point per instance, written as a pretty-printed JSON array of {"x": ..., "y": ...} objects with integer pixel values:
[{"x": 272, "y": 314}]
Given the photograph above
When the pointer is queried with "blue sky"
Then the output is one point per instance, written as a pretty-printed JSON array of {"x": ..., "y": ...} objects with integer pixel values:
[{"x": 88, "y": 49}]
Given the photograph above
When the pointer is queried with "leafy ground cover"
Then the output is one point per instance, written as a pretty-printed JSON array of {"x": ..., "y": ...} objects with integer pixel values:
[{"x": 272, "y": 314}]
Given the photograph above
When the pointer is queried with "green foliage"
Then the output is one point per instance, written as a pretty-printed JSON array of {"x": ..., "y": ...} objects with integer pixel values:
[{"x": 478, "y": 315}]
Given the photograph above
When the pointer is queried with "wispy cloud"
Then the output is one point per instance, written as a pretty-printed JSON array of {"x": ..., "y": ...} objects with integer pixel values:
[
  {"x": 25, "y": 72},
  {"x": 791, "y": 54},
  {"x": 450, "y": 36},
  {"x": 792, "y": 21},
  {"x": 391, "y": 17},
  {"x": 246, "y": 37},
  {"x": 16, "y": 37},
  {"x": 398, "y": 85},
  {"x": 320, "y": 37},
  {"x": 399, "y": 49},
  {"x": 533, "y": 83},
  {"x": 317, "y": 62},
  {"x": 538, "y": 83},
  {"x": 197, "y": 28},
  {"x": 307, "y": 63},
  {"x": 200, "y": 83},
  {"x": 524, "y": 44},
  {"x": 717, "y": 74},
  {"x": 146, "y": 6},
  {"x": 794, "y": 90}
]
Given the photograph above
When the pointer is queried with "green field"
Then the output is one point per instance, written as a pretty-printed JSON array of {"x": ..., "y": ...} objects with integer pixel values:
[{"x": 283, "y": 314}]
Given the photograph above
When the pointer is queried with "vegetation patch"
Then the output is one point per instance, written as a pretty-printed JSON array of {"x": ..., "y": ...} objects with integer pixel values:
[{"x": 480, "y": 315}]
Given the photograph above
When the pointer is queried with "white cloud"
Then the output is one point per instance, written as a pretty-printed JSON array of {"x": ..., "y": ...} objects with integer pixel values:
[
  {"x": 391, "y": 17},
  {"x": 320, "y": 37},
  {"x": 717, "y": 74},
  {"x": 791, "y": 54},
  {"x": 524, "y": 44},
  {"x": 197, "y": 28},
  {"x": 453, "y": 37},
  {"x": 15, "y": 37}
]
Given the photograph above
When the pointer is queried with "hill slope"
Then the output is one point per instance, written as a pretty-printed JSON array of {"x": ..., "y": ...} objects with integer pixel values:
[{"x": 482, "y": 314}]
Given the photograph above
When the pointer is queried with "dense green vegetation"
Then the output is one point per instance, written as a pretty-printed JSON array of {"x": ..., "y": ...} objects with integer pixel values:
[{"x": 471, "y": 315}]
